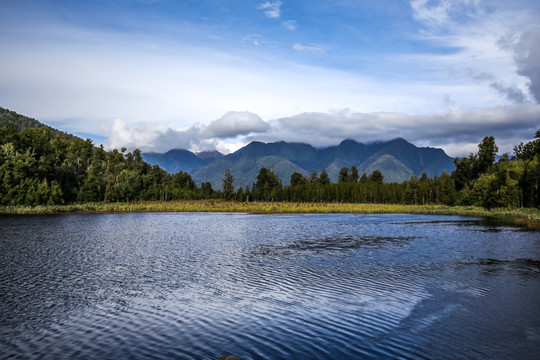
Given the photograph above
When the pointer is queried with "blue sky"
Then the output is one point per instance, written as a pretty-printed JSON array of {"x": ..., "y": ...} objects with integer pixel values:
[{"x": 217, "y": 74}]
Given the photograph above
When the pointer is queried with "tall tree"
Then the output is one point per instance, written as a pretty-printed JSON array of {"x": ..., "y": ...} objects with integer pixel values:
[
  {"x": 528, "y": 156},
  {"x": 267, "y": 185},
  {"x": 343, "y": 175},
  {"x": 228, "y": 187},
  {"x": 353, "y": 175},
  {"x": 206, "y": 189},
  {"x": 183, "y": 180},
  {"x": 487, "y": 151},
  {"x": 376, "y": 177},
  {"x": 313, "y": 177},
  {"x": 363, "y": 178},
  {"x": 298, "y": 179},
  {"x": 324, "y": 179}
]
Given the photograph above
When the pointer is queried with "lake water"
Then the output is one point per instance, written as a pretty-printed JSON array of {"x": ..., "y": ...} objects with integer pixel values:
[{"x": 201, "y": 286}]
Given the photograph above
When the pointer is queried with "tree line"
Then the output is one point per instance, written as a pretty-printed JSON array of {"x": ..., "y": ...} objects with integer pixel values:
[
  {"x": 38, "y": 166},
  {"x": 478, "y": 179}
]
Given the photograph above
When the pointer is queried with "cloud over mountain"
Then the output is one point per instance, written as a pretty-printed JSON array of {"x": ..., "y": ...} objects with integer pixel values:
[
  {"x": 197, "y": 137},
  {"x": 234, "y": 123},
  {"x": 458, "y": 131}
]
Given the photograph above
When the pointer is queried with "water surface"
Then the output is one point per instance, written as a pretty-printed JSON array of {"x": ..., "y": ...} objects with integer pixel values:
[{"x": 200, "y": 286}]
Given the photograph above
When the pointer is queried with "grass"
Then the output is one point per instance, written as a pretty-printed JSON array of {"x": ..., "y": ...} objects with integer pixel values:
[{"x": 527, "y": 217}]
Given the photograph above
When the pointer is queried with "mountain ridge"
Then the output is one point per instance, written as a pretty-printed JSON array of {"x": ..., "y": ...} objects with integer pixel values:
[
  {"x": 177, "y": 160},
  {"x": 397, "y": 160}
]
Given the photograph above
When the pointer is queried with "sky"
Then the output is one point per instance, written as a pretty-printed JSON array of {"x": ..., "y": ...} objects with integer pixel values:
[{"x": 217, "y": 74}]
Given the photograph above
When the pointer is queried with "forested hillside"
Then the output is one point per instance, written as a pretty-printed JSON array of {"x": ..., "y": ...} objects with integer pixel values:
[{"x": 22, "y": 122}]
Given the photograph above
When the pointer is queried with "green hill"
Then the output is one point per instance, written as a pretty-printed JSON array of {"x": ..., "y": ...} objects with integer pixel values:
[{"x": 22, "y": 122}]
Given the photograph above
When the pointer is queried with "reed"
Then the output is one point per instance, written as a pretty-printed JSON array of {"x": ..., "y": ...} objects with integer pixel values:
[{"x": 523, "y": 216}]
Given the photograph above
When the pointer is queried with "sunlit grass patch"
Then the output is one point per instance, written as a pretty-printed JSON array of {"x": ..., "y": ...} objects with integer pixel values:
[{"x": 523, "y": 216}]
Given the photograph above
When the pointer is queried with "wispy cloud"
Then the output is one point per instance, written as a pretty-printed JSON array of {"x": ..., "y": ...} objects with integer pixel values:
[
  {"x": 253, "y": 39},
  {"x": 434, "y": 15},
  {"x": 289, "y": 25},
  {"x": 486, "y": 47},
  {"x": 440, "y": 13},
  {"x": 272, "y": 9},
  {"x": 311, "y": 49},
  {"x": 511, "y": 93}
]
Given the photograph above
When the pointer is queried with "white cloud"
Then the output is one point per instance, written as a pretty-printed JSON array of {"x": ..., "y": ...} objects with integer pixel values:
[
  {"x": 149, "y": 137},
  {"x": 479, "y": 45},
  {"x": 434, "y": 16},
  {"x": 311, "y": 49},
  {"x": 527, "y": 57},
  {"x": 234, "y": 123},
  {"x": 272, "y": 9},
  {"x": 455, "y": 130},
  {"x": 253, "y": 39},
  {"x": 289, "y": 25},
  {"x": 441, "y": 13},
  {"x": 119, "y": 78}
]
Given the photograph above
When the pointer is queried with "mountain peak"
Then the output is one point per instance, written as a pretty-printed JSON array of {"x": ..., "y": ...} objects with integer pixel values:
[
  {"x": 179, "y": 151},
  {"x": 205, "y": 155},
  {"x": 399, "y": 140},
  {"x": 396, "y": 159},
  {"x": 349, "y": 142}
]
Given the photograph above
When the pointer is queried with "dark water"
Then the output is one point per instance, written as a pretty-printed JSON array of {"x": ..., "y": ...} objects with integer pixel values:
[{"x": 200, "y": 286}]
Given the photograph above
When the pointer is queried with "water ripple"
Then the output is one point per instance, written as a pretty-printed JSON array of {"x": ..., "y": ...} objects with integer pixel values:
[{"x": 199, "y": 286}]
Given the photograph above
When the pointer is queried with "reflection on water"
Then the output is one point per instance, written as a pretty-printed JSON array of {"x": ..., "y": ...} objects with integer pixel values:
[
  {"x": 328, "y": 245},
  {"x": 199, "y": 286},
  {"x": 525, "y": 268}
]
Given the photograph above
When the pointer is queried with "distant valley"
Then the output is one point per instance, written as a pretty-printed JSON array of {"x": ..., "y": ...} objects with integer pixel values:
[{"x": 396, "y": 159}]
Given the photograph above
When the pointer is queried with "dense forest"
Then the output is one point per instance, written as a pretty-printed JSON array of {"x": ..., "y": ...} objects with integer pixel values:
[
  {"x": 39, "y": 168},
  {"x": 39, "y": 165}
]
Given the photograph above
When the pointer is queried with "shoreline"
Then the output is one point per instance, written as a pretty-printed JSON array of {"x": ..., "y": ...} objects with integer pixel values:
[{"x": 524, "y": 216}]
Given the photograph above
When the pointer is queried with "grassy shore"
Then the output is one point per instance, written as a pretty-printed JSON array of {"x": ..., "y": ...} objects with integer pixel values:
[{"x": 528, "y": 217}]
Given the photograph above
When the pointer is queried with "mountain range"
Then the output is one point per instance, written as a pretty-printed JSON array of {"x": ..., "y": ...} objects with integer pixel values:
[
  {"x": 177, "y": 160},
  {"x": 396, "y": 159}
]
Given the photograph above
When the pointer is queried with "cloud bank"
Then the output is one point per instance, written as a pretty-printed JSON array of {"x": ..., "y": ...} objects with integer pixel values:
[
  {"x": 456, "y": 131},
  {"x": 150, "y": 138}
]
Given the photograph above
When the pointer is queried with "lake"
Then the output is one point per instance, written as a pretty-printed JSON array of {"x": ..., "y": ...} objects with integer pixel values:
[{"x": 201, "y": 286}]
